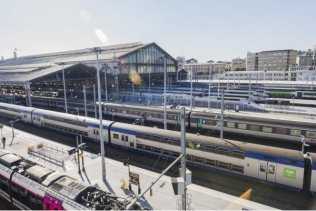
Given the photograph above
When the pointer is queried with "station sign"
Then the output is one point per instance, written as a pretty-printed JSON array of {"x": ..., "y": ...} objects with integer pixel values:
[{"x": 134, "y": 178}]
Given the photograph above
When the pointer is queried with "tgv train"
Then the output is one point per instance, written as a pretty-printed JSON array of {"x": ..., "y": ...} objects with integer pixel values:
[
  {"x": 261, "y": 125},
  {"x": 183, "y": 99},
  {"x": 32, "y": 186},
  {"x": 287, "y": 168}
]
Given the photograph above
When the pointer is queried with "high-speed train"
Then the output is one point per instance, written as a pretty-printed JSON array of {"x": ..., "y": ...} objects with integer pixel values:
[
  {"x": 260, "y": 125},
  {"x": 287, "y": 168},
  {"x": 31, "y": 186}
]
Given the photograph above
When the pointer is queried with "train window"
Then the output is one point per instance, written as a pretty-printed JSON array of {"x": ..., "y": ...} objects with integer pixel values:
[
  {"x": 210, "y": 148},
  {"x": 223, "y": 165},
  {"x": 263, "y": 167},
  {"x": 295, "y": 132},
  {"x": 126, "y": 138},
  {"x": 155, "y": 149},
  {"x": 124, "y": 111},
  {"x": 237, "y": 168},
  {"x": 242, "y": 126},
  {"x": 175, "y": 142},
  {"x": 116, "y": 136},
  {"x": 176, "y": 154},
  {"x": 271, "y": 169},
  {"x": 155, "y": 138},
  {"x": 231, "y": 124},
  {"x": 238, "y": 154},
  {"x": 210, "y": 162},
  {"x": 193, "y": 120},
  {"x": 189, "y": 157},
  {"x": 210, "y": 122},
  {"x": 267, "y": 129},
  {"x": 139, "y": 135},
  {"x": 172, "y": 117},
  {"x": 128, "y": 111},
  {"x": 198, "y": 159},
  {"x": 139, "y": 146},
  {"x": 122, "y": 137},
  {"x": 148, "y": 148},
  {"x": 311, "y": 134},
  {"x": 254, "y": 127},
  {"x": 166, "y": 152},
  {"x": 223, "y": 151},
  {"x": 281, "y": 131}
]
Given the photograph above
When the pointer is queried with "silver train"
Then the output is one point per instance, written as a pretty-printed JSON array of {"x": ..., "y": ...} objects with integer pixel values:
[
  {"x": 31, "y": 186},
  {"x": 257, "y": 125},
  {"x": 283, "y": 167}
]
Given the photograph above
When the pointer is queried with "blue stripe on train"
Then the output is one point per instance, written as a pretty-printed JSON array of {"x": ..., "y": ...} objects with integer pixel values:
[
  {"x": 282, "y": 160},
  {"x": 94, "y": 125},
  {"x": 120, "y": 130}
]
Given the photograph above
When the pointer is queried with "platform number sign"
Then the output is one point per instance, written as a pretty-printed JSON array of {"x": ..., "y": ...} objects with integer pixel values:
[{"x": 289, "y": 173}]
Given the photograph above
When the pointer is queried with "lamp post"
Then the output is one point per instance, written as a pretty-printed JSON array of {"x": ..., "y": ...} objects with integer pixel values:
[
  {"x": 97, "y": 51},
  {"x": 191, "y": 91}
]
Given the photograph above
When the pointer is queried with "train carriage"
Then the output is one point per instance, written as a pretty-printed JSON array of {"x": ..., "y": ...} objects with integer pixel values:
[{"x": 270, "y": 164}]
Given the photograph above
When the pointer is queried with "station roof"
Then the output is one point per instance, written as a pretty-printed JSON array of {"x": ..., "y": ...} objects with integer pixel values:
[
  {"x": 22, "y": 74},
  {"x": 25, "y": 69},
  {"x": 75, "y": 56}
]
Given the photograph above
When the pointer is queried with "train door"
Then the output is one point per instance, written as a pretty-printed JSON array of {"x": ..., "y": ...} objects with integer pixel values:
[
  {"x": 263, "y": 165},
  {"x": 267, "y": 171},
  {"x": 272, "y": 168},
  {"x": 37, "y": 119}
]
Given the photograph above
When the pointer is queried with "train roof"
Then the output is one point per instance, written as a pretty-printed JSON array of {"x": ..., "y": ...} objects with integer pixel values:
[
  {"x": 38, "y": 173},
  {"x": 2, "y": 152},
  {"x": 140, "y": 108},
  {"x": 69, "y": 187},
  {"x": 52, "y": 178},
  {"x": 10, "y": 160},
  {"x": 275, "y": 151}
]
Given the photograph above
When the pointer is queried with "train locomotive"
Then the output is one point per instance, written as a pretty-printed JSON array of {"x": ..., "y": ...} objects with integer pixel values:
[
  {"x": 31, "y": 186},
  {"x": 287, "y": 168}
]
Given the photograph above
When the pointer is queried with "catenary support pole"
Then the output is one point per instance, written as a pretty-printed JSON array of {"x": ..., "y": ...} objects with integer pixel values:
[
  {"x": 100, "y": 117},
  {"x": 65, "y": 90},
  {"x": 85, "y": 100},
  {"x": 165, "y": 94},
  {"x": 183, "y": 159},
  {"x": 95, "y": 102},
  {"x": 222, "y": 115}
]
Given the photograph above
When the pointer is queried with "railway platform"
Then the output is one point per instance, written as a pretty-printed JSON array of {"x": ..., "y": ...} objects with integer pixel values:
[{"x": 44, "y": 152}]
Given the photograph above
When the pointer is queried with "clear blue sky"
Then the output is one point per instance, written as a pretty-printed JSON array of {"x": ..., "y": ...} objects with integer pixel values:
[{"x": 203, "y": 29}]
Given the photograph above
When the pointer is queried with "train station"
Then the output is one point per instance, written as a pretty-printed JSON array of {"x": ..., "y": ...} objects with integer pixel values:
[{"x": 155, "y": 105}]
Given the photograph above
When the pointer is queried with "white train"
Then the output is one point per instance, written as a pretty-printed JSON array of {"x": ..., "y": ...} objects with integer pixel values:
[
  {"x": 260, "y": 125},
  {"x": 283, "y": 167}
]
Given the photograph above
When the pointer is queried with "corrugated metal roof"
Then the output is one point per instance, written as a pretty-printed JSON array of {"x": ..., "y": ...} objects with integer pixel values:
[
  {"x": 75, "y": 56},
  {"x": 22, "y": 75}
]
